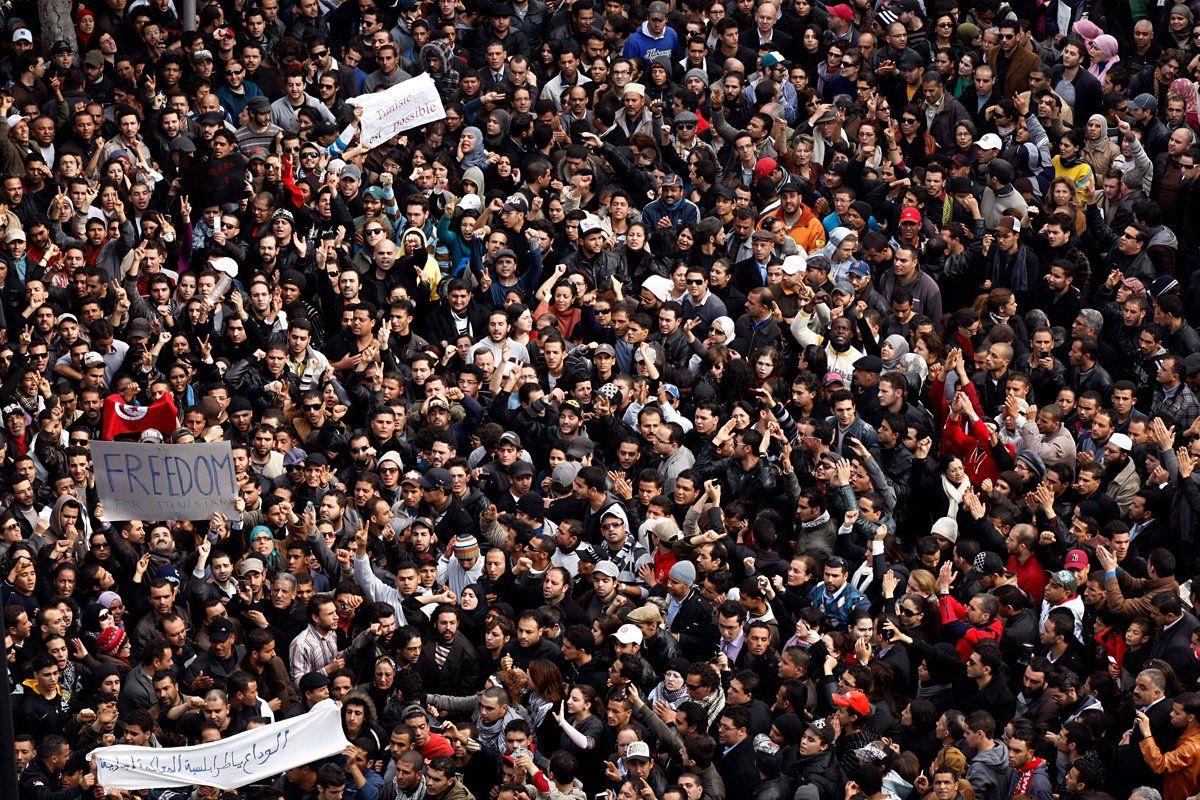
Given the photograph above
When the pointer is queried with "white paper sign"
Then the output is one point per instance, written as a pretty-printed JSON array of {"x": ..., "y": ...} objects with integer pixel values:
[
  {"x": 176, "y": 481},
  {"x": 231, "y": 763},
  {"x": 408, "y": 104}
]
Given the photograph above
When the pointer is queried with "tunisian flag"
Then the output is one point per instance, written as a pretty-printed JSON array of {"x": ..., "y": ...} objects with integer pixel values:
[{"x": 121, "y": 418}]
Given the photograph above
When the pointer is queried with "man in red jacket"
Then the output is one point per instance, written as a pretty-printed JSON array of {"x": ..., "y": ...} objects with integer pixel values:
[{"x": 973, "y": 623}]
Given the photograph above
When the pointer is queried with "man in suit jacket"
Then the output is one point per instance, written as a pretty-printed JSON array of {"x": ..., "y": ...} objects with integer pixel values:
[
  {"x": 457, "y": 314},
  {"x": 750, "y": 273},
  {"x": 1150, "y": 697},
  {"x": 1011, "y": 62},
  {"x": 735, "y": 763},
  {"x": 765, "y": 35},
  {"x": 1174, "y": 641}
]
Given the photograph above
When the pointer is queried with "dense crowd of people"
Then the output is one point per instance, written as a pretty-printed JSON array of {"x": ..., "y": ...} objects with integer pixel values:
[{"x": 723, "y": 401}]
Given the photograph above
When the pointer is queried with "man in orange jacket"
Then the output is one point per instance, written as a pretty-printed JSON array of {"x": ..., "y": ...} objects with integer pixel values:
[
  {"x": 801, "y": 223},
  {"x": 1180, "y": 767}
]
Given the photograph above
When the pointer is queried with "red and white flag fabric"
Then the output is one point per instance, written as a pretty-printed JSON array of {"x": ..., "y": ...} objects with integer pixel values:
[{"x": 122, "y": 419}]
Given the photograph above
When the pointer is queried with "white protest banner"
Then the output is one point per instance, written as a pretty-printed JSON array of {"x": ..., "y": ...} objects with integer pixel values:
[
  {"x": 408, "y": 104},
  {"x": 231, "y": 763},
  {"x": 154, "y": 481}
]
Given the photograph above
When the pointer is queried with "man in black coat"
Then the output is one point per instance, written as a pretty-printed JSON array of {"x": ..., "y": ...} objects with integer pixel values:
[
  {"x": 457, "y": 315},
  {"x": 736, "y": 763},
  {"x": 689, "y": 616}
]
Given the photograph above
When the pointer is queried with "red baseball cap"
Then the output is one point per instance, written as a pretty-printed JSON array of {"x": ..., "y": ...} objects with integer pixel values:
[
  {"x": 854, "y": 700},
  {"x": 1076, "y": 559},
  {"x": 910, "y": 214},
  {"x": 842, "y": 11}
]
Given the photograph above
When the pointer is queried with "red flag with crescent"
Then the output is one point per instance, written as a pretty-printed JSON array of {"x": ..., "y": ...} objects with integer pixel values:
[{"x": 121, "y": 418}]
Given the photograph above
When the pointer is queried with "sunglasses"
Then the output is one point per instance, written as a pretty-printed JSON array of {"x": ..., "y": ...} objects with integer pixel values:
[
  {"x": 232, "y": 72},
  {"x": 695, "y": 282},
  {"x": 311, "y": 406}
]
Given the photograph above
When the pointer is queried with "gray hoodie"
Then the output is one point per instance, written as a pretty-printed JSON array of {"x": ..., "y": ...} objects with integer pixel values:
[{"x": 988, "y": 773}]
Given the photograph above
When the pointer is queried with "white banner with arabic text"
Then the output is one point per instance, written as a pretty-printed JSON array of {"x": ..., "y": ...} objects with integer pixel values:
[{"x": 240, "y": 760}]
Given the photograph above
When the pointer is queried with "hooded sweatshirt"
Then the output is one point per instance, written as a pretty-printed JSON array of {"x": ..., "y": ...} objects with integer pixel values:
[
  {"x": 443, "y": 75},
  {"x": 644, "y": 45},
  {"x": 988, "y": 773},
  {"x": 431, "y": 273}
]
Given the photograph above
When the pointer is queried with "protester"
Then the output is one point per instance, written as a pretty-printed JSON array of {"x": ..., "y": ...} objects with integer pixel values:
[{"x": 696, "y": 401}]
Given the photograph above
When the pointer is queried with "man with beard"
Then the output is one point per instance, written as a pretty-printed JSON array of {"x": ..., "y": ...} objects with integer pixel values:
[
  {"x": 455, "y": 662},
  {"x": 1180, "y": 766},
  {"x": 163, "y": 595},
  {"x": 1120, "y": 476},
  {"x": 374, "y": 642},
  {"x": 409, "y": 783},
  {"x": 268, "y": 670},
  {"x": 279, "y": 613},
  {"x": 222, "y": 657}
]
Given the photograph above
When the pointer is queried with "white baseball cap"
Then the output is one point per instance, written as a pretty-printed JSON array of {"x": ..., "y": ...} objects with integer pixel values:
[
  {"x": 989, "y": 141},
  {"x": 629, "y": 634}
]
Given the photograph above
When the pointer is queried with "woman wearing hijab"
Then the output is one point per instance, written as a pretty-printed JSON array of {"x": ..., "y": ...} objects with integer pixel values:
[
  {"x": 1098, "y": 150},
  {"x": 1103, "y": 52},
  {"x": 894, "y": 348},
  {"x": 471, "y": 152},
  {"x": 1178, "y": 31},
  {"x": 672, "y": 689},
  {"x": 497, "y": 129},
  {"x": 473, "y": 610}
]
